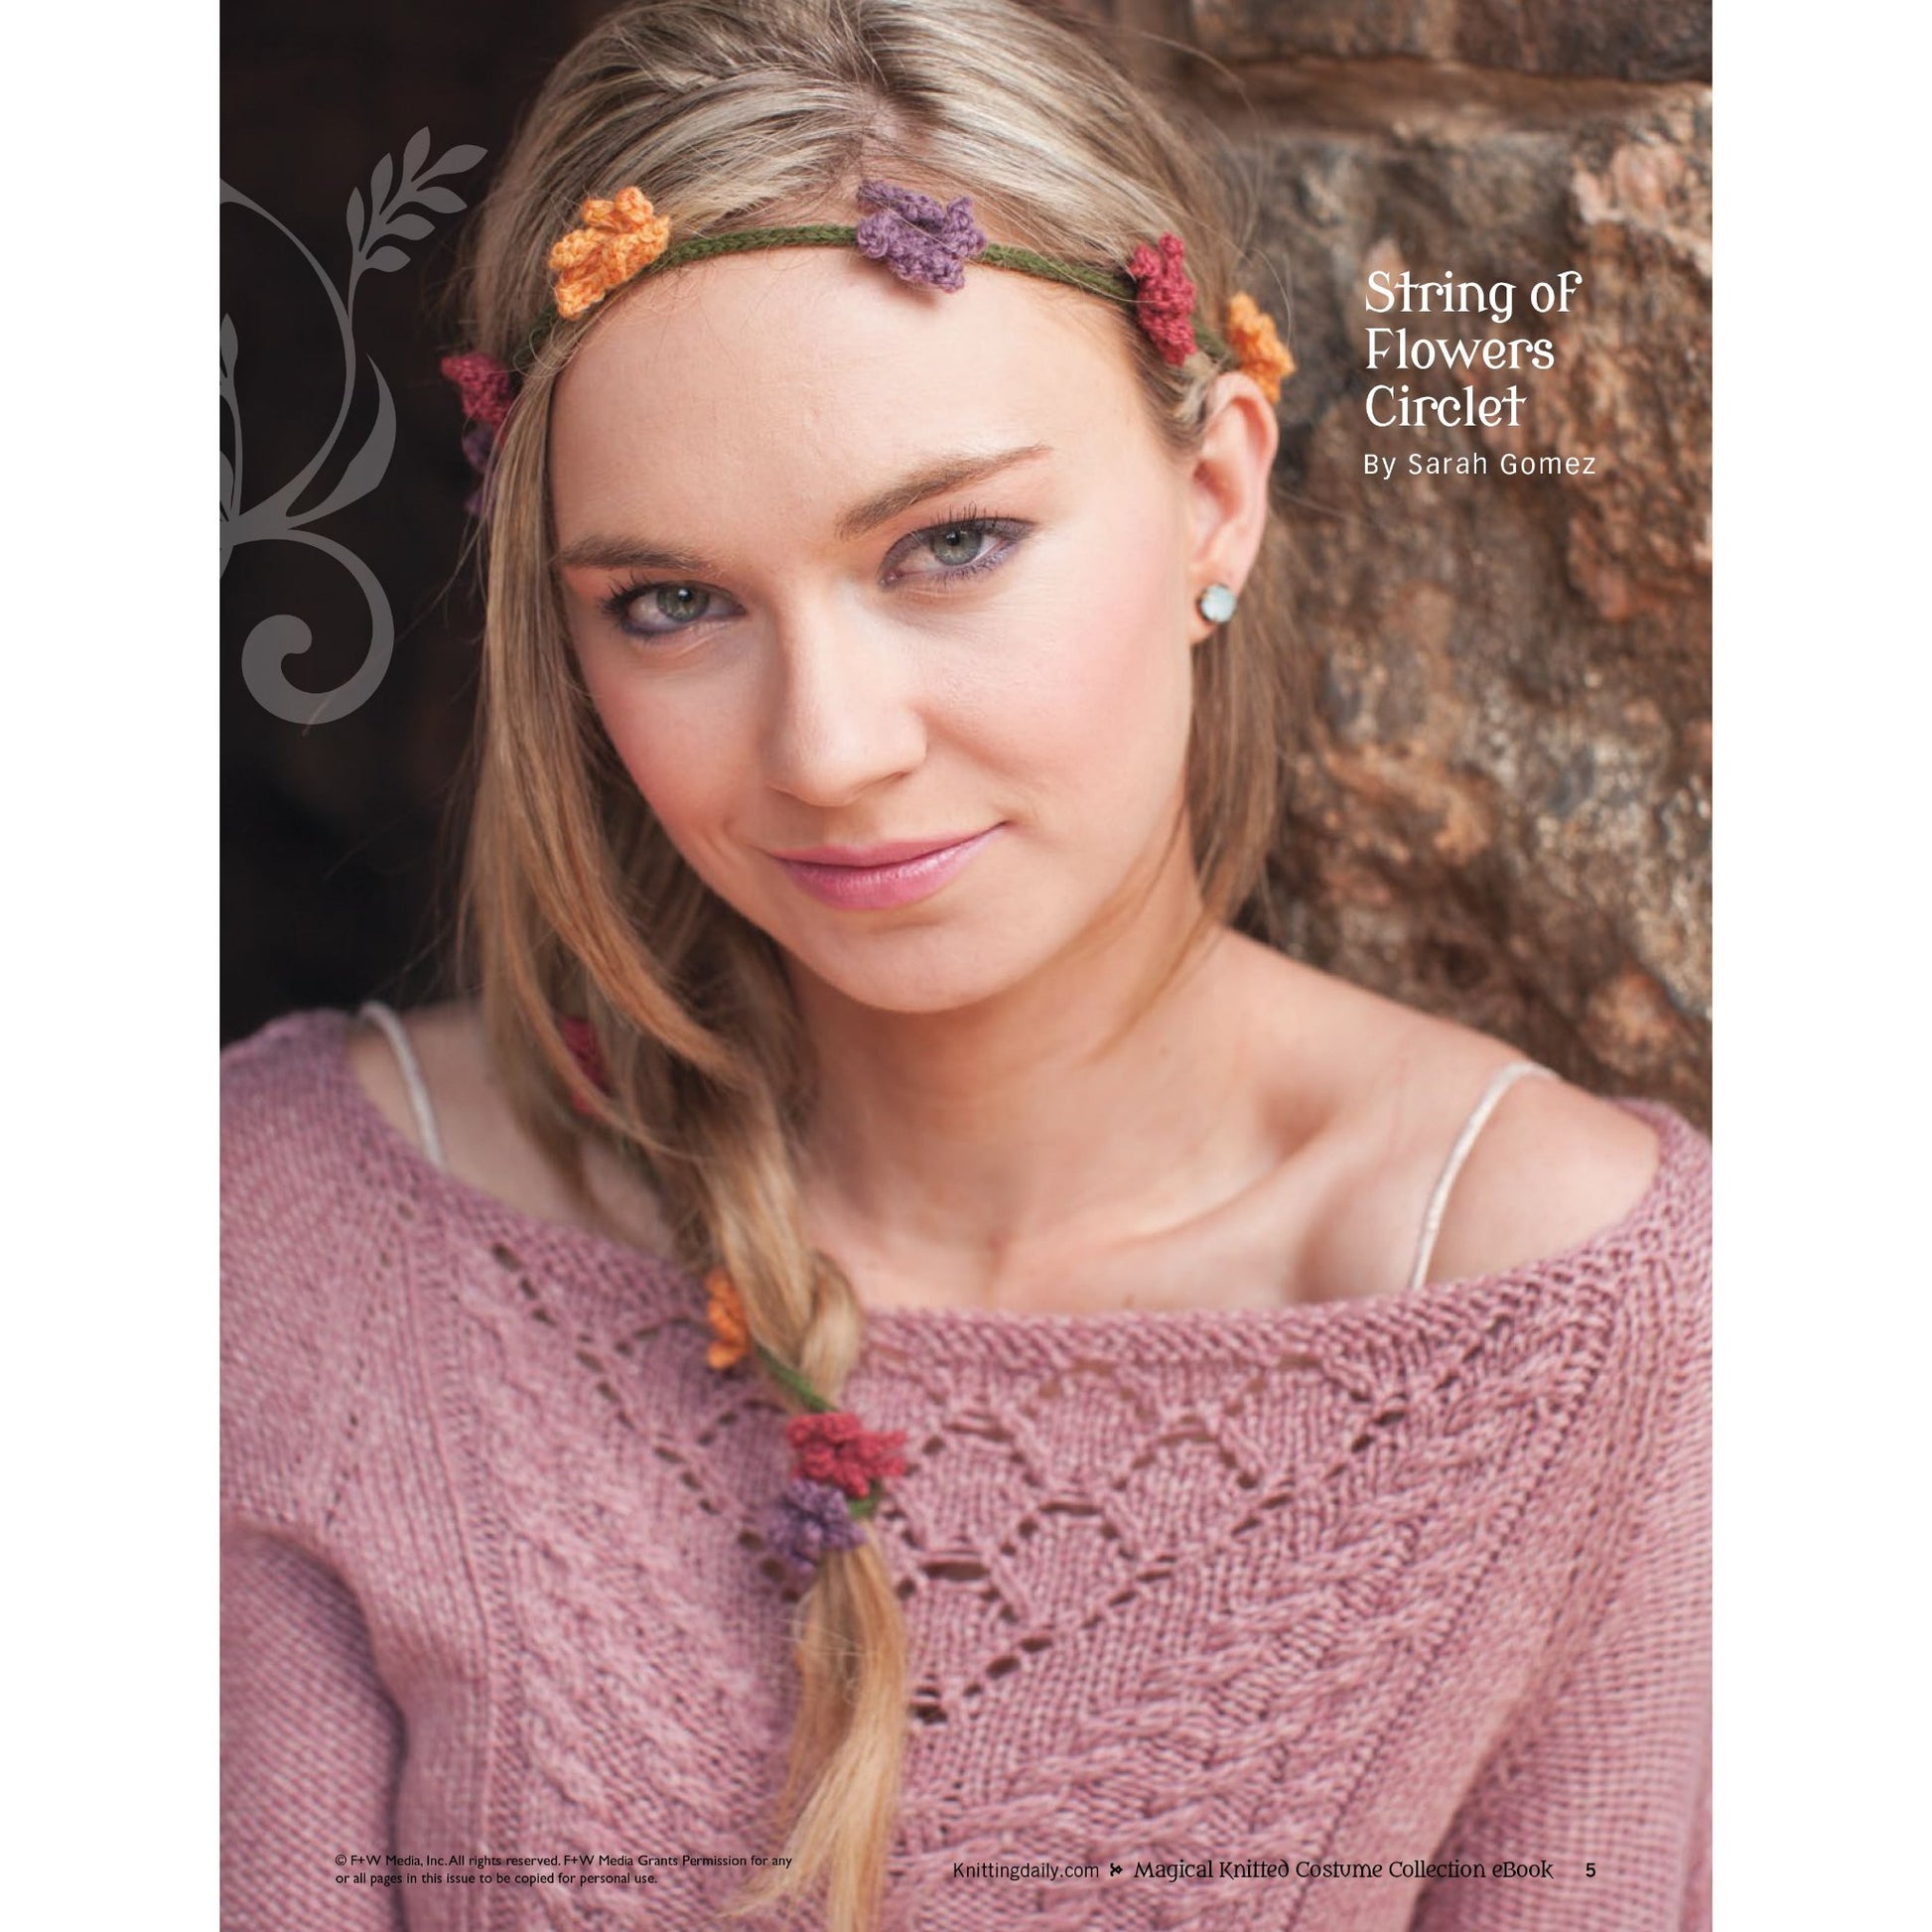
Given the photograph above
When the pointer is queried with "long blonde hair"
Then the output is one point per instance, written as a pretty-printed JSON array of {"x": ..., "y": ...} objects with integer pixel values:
[{"x": 574, "y": 902}]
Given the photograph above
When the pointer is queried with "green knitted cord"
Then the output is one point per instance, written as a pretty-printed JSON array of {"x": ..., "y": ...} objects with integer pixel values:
[
  {"x": 1112, "y": 285},
  {"x": 796, "y": 1383}
]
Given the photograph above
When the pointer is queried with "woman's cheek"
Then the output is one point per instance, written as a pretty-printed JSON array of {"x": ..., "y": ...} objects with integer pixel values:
[
  {"x": 1101, "y": 707},
  {"x": 683, "y": 770}
]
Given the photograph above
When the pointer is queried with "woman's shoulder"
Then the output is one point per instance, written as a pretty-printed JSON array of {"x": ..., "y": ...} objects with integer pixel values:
[
  {"x": 310, "y": 1176},
  {"x": 303, "y": 1258},
  {"x": 485, "y": 1148},
  {"x": 280, "y": 1108},
  {"x": 318, "y": 1126},
  {"x": 1551, "y": 1167}
]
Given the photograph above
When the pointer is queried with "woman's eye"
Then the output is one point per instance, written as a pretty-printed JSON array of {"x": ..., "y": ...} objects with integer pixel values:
[
  {"x": 962, "y": 548},
  {"x": 958, "y": 543},
  {"x": 657, "y": 609}
]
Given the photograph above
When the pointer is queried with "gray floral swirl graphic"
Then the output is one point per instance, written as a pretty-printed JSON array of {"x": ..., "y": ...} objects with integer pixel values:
[{"x": 274, "y": 640}]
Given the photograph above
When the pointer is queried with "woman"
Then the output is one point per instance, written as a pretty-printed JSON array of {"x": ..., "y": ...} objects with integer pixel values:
[{"x": 1247, "y": 1441}]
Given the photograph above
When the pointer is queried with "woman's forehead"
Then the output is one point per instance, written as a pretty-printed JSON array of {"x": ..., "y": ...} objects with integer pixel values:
[{"x": 809, "y": 373}]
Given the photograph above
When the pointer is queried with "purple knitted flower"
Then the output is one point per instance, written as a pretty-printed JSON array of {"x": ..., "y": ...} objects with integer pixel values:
[
  {"x": 916, "y": 237},
  {"x": 810, "y": 1519},
  {"x": 480, "y": 448}
]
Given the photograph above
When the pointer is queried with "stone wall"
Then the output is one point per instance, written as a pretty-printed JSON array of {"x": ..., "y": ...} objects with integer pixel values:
[{"x": 1503, "y": 807}]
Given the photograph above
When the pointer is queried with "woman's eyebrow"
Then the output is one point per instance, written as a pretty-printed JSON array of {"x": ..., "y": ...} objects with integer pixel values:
[
  {"x": 948, "y": 473},
  {"x": 602, "y": 552}
]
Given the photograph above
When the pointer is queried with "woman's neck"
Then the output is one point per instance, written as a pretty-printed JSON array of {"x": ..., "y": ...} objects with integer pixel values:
[{"x": 1101, "y": 1100}]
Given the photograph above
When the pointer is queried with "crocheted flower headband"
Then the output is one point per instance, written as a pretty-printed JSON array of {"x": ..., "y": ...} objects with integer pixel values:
[
  {"x": 838, "y": 1464},
  {"x": 922, "y": 240}
]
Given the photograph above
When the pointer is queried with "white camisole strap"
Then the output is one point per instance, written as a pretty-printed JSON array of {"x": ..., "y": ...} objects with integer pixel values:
[
  {"x": 412, "y": 1074},
  {"x": 1505, "y": 1078}
]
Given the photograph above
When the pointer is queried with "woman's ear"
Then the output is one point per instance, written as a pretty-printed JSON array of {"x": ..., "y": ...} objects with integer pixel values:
[{"x": 1229, "y": 488}]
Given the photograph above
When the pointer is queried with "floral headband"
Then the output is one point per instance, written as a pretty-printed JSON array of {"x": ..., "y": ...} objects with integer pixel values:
[{"x": 922, "y": 240}]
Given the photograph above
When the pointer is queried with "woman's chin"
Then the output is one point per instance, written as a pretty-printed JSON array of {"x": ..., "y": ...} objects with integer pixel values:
[{"x": 914, "y": 973}]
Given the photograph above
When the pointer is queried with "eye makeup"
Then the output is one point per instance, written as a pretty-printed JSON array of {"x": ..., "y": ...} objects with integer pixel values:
[{"x": 655, "y": 608}]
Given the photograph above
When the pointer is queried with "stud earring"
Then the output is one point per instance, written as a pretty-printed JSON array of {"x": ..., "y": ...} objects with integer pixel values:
[{"x": 1216, "y": 604}]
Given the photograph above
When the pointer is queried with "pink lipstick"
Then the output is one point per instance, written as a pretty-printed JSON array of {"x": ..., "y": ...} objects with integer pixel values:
[{"x": 866, "y": 879}]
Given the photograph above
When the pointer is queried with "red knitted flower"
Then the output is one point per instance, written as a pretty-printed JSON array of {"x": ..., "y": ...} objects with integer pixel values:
[
  {"x": 1166, "y": 304},
  {"x": 838, "y": 1448},
  {"x": 582, "y": 1042},
  {"x": 488, "y": 388}
]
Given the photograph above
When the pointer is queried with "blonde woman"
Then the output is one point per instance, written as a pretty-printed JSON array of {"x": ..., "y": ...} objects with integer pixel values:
[{"x": 892, "y": 1363}]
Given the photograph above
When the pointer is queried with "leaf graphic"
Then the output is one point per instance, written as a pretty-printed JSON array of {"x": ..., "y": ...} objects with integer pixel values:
[
  {"x": 455, "y": 161},
  {"x": 379, "y": 181},
  {"x": 446, "y": 201},
  {"x": 415, "y": 153},
  {"x": 277, "y": 639},
  {"x": 412, "y": 228},
  {"x": 366, "y": 465}
]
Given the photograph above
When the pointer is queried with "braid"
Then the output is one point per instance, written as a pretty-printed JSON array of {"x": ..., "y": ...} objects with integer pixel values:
[{"x": 849, "y": 1640}]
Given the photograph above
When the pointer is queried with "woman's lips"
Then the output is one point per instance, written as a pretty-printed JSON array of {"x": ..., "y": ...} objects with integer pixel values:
[{"x": 868, "y": 879}]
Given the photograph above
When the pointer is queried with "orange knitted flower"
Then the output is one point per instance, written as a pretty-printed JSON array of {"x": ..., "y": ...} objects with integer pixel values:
[
  {"x": 619, "y": 238},
  {"x": 726, "y": 1314},
  {"x": 1261, "y": 353}
]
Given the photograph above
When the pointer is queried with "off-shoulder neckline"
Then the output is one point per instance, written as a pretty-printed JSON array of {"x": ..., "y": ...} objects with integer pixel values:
[{"x": 1680, "y": 1154}]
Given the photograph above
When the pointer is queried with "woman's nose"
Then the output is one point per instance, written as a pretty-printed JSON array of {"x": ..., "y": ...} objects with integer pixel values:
[{"x": 842, "y": 713}]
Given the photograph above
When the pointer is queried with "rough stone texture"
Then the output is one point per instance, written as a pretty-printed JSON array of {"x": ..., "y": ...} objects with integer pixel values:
[
  {"x": 1503, "y": 808},
  {"x": 1631, "y": 40}
]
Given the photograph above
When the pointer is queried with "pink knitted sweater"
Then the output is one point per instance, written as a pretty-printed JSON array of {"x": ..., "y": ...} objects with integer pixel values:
[{"x": 1355, "y": 1617}]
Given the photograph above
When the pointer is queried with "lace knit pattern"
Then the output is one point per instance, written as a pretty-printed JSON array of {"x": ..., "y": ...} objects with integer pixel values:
[{"x": 1417, "y": 1578}]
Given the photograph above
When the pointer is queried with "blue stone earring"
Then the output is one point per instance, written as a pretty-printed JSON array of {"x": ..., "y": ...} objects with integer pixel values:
[{"x": 1216, "y": 604}]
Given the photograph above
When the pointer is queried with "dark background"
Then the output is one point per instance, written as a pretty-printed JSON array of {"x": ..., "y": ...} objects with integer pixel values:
[{"x": 339, "y": 840}]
